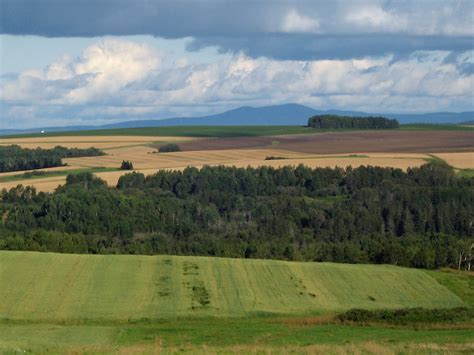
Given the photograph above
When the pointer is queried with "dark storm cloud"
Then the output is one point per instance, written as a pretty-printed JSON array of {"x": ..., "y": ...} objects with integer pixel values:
[
  {"x": 303, "y": 47},
  {"x": 90, "y": 18},
  {"x": 276, "y": 29}
]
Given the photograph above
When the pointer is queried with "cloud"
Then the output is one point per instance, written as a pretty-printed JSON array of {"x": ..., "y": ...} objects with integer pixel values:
[
  {"x": 115, "y": 79},
  {"x": 313, "y": 47},
  {"x": 296, "y": 23},
  {"x": 103, "y": 70},
  {"x": 280, "y": 30},
  {"x": 376, "y": 17}
]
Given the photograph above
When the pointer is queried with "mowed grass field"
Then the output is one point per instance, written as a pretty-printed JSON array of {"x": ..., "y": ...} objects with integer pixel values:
[
  {"x": 61, "y": 287},
  {"x": 165, "y": 304}
]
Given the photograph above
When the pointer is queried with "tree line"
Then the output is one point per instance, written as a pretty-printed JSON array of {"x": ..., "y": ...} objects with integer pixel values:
[
  {"x": 16, "y": 158},
  {"x": 420, "y": 218},
  {"x": 351, "y": 122}
]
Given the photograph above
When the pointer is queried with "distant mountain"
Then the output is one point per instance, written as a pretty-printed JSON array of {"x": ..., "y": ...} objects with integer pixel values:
[{"x": 284, "y": 115}]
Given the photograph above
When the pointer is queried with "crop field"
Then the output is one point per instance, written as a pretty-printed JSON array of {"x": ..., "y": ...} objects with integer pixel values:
[
  {"x": 59, "y": 302},
  {"x": 458, "y": 160},
  {"x": 146, "y": 161},
  {"x": 251, "y": 146},
  {"x": 100, "y": 142}
]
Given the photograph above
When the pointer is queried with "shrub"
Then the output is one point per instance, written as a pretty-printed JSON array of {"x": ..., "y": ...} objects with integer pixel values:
[
  {"x": 167, "y": 148},
  {"x": 406, "y": 316}
]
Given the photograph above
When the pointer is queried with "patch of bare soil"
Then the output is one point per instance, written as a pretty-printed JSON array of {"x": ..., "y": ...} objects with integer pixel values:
[{"x": 348, "y": 142}]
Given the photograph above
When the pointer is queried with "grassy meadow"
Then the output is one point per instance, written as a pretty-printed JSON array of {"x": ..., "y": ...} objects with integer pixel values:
[
  {"x": 106, "y": 303},
  {"x": 180, "y": 131},
  {"x": 110, "y": 287},
  {"x": 222, "y": 131}
]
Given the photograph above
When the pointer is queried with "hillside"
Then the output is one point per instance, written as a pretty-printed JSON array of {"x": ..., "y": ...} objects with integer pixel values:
[{"x": 46, "y": 286}]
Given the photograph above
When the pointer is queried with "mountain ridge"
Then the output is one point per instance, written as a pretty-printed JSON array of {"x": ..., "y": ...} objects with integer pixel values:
[{"x": 289, "y": 114}]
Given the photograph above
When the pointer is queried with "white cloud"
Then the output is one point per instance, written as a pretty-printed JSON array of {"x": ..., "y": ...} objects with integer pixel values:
[
  {"x": 375, "y": 17},
  {"x": 294, "y": 22},
  {"x": 113, "y": 64},
  {"x": 115, "y": 79}
]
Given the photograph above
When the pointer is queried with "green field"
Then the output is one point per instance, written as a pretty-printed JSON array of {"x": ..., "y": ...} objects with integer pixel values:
[
  {"x": 435, "y": 127},
  {"x": 47, "y": 286},
  {"x": 44, "y": 174},
  {"x": 182, "y": 131},
  {"x": 104, "y": 303},
  {"x": 231, "y": 336},
  {"x": 222, "y": 131}
]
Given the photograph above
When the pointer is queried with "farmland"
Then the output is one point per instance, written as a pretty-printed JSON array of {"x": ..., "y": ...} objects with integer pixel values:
[
  {"x": 131, "y": 303},
  {"x": 247, "y": 146},
  {"x": 224, "y": 131},
  {"x": 102, "y": 303},
  {"x": 135, "y": 287},
  {"x": 147, "y": 162}
]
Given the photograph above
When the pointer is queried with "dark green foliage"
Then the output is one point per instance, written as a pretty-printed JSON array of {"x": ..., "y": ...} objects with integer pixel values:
[
  {"x": 132, "y": 180},
  {"x": 85, "y": 180},
  {"x": 32, "y": 174},
  {"x": 167, "y": 148},
  {"x": 409, "y": 316},
  {"x": 271, "y": 157},
  {"x": 420, "y": 218},
  {"x": 351, "y": 122},
  {"x": 126, "y": 165},
  {"x": 15, "y": 158}
]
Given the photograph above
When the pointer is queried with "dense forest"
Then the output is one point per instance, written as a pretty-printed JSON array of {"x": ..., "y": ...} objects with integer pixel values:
[
  {"x": 16, "y": 158},
  {"x": 421, "y": 218},
  {"x": 350, "y": 122}
]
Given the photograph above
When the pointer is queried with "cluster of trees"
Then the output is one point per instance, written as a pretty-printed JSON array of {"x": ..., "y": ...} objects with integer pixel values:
[
  {"x": 170, "y": 147},
  {"x": 126, "y": 165},
  {"x": 350, "y": 122},
  {"x": 420, "y": 218},
  {"x": 16, "y": 158}
]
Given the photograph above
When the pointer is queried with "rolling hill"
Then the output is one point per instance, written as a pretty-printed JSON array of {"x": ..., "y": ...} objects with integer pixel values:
[{"x": 56, "y": 287}]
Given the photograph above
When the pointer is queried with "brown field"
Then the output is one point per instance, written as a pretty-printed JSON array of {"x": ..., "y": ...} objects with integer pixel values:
[
  {"x": 459, "y": 160},
  {"x": 349, "y": 142},
  {"x": 398, "y": 149}
]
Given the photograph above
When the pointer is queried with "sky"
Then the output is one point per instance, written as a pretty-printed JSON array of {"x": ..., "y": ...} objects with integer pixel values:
[{"x": 90, "y": 62}]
